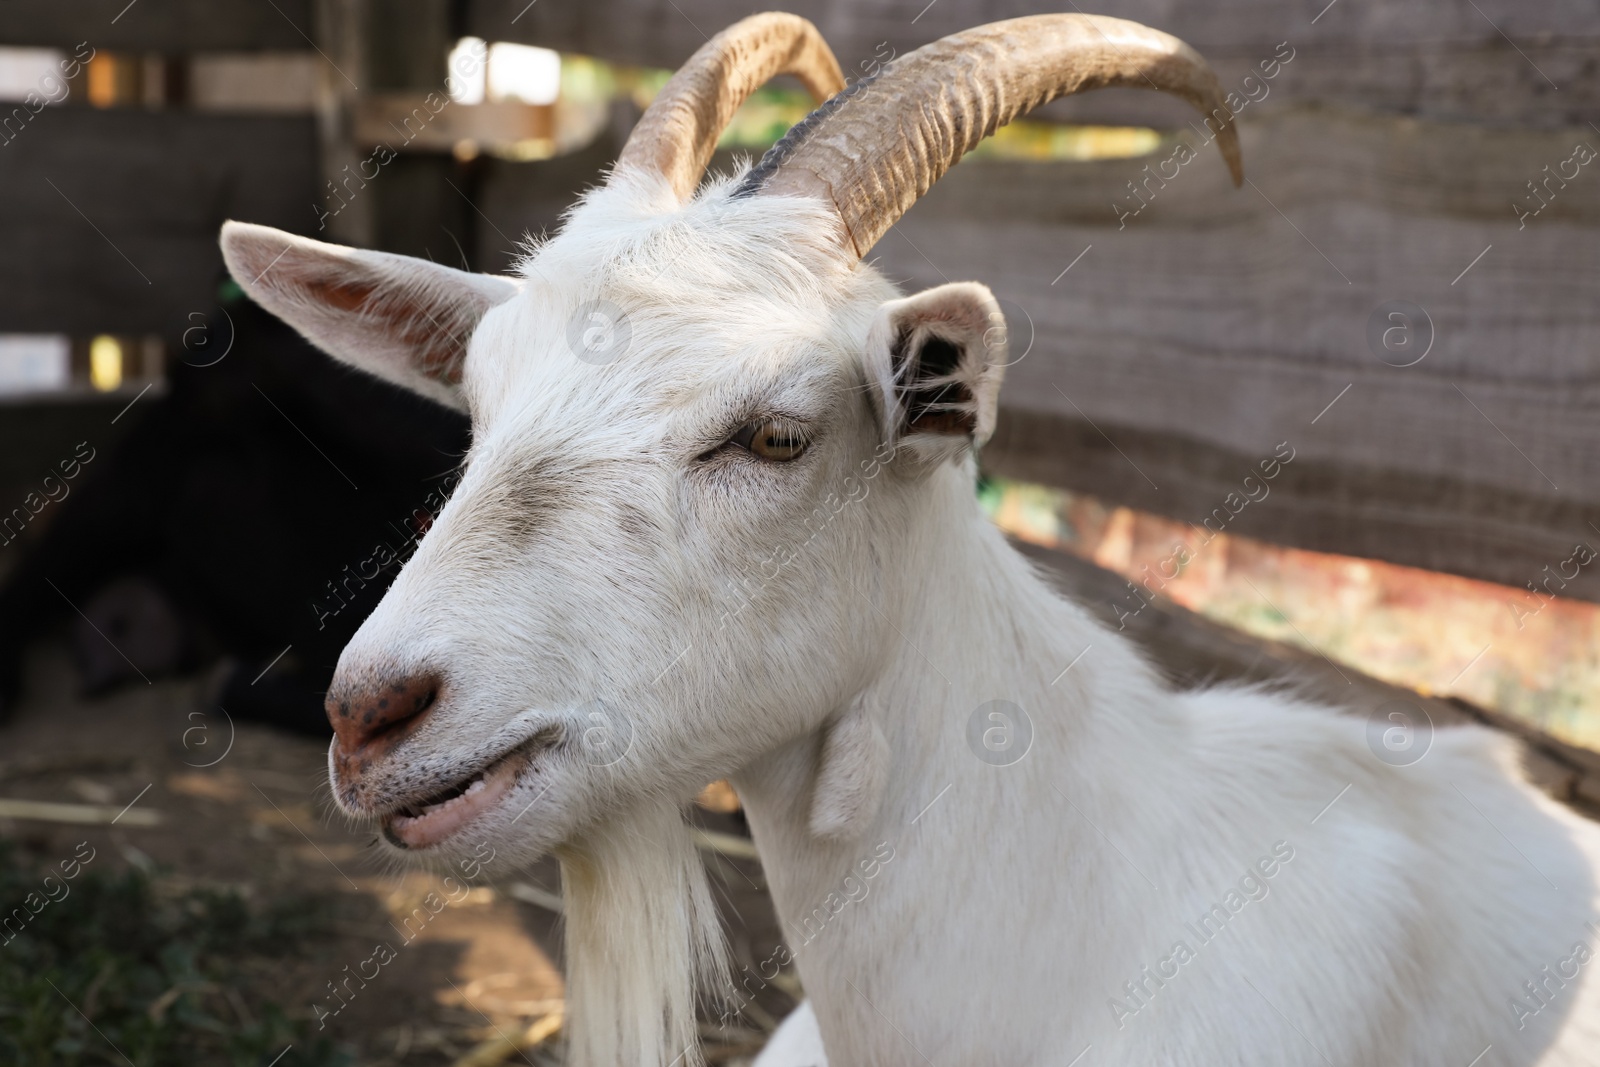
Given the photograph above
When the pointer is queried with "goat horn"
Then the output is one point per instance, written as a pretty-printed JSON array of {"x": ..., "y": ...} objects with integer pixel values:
[
  {"x": 874, "y": 149},
  {"x": 678, "y": 132}
]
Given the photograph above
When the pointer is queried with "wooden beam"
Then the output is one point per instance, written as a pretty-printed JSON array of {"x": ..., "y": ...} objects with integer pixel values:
[
  {"x": 1436, "y": 523},
  {"x": 167, "y": 26},
  {"x": 341, "y": 32},
  {"x": 430, "y": 122},
  {"x": 415, "y": 209},
  {"x": 1419, "y": 57}
]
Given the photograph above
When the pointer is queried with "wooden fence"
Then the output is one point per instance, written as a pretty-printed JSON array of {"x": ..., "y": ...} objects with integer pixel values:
[
  {"x": 1388, "y": 159},
  {"x": 1165, "y": 343}
]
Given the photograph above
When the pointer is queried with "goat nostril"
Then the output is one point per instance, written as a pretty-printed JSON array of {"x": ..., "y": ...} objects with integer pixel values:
[{"x": 384, "y": 710}]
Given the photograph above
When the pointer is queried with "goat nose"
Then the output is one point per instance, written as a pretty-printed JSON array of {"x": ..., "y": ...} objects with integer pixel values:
[{"x": 378, "y": 710}]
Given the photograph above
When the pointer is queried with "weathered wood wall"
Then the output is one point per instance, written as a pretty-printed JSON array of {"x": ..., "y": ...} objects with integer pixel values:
[{"x": 111, "y": 217}]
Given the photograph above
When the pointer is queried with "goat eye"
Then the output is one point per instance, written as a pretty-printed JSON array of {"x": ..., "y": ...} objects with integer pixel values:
[{"x": 777, "y": 440}]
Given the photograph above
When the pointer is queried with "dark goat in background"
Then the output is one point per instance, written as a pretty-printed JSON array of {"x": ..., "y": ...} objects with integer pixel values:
[{"x": 264, "y": 503}]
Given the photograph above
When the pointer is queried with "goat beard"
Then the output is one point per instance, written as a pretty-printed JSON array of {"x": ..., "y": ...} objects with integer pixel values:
[{"x": 642, "y": 937}]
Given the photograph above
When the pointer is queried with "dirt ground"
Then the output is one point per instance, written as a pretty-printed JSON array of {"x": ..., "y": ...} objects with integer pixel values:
[{"x": 246, "y": 808}]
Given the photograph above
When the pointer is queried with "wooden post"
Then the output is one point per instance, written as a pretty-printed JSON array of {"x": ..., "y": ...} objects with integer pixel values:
[
  {"x": 340, "y": 31},
  {"x": 416, "y": 210}
]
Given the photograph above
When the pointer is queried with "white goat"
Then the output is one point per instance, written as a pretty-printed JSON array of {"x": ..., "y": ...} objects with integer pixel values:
[{"x": 737, "y": 535}]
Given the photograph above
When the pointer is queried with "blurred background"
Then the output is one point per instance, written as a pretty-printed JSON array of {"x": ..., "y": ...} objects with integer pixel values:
[{"x": 1340, "y": 423}]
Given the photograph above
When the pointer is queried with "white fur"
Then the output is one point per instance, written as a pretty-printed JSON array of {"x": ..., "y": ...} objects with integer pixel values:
[
  {"x": 852, "y": 770},
  {"x": 587, "y": 554},
  {"x": 797, "y": 1042},
  {"x": 641, "y": 931}
]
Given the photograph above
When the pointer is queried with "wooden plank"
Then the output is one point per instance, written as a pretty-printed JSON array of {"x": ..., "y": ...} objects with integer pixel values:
[
  {"x": 416, "y": 211},
  {"x": 430, "y": 122},
  {"x": 1424, "y": 57},
  {"x": 1340, "y": 158},
  {"x": 1216, "y": 324},
  {"x": 111, "y": 217},
  {"x": 342, "y": 36},
  {"x": 168, "y": 26},
  {"x": 255, "y": 82},
  {"x": 1437, "y": 523}
]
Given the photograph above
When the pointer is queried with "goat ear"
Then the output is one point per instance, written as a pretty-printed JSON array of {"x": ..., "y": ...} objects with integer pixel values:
[
  {"x": 850, "y": 774},
  {"x": 939, "y": 357},
  {"x": 405, "y": 320}
]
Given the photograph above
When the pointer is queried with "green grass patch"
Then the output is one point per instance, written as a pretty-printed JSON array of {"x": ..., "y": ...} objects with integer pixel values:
[{"x": 109, "y": 968}]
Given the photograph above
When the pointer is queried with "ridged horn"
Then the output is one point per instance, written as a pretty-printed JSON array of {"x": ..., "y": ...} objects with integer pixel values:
[
  {"x": 874, "y": 149},
  {"x": 678, "y": 132}
]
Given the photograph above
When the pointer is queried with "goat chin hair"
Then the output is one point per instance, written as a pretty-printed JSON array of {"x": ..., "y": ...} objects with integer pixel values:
[{"x": 642, "y": 936}]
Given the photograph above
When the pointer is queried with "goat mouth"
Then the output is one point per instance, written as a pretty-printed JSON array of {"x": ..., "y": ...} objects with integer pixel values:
[{"x": 430, "y": 820}]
